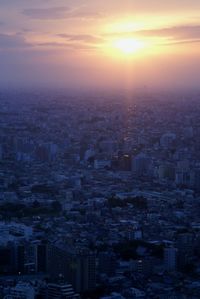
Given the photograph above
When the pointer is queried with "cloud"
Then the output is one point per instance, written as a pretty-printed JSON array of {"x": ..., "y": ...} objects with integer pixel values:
[
  {"x": 179, "y": 32},
  {"x": 74, "y": 42},
  {"x": 60, "y": 12},
  {"x": 86, "y": 15},
  {"x": 51, "y": 13},
  {"x": 12, "y": 41},
  {"x": 183, "y": 42},
  {"x": 70, "y": 42},
  {"x": 87, "y": 38},
  {"x": 185, "y": 34},
  {"x": 78, "y": 46},
  {"x": 173, "y": 35}
]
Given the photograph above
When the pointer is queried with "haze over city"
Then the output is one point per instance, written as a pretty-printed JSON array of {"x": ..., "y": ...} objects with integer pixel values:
[
  {"x": 99, "y": 149},
  {"x": 100, "y": 43}
]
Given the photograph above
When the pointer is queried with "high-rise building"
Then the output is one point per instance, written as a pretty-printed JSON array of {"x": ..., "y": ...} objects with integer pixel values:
[
  {"x": 141, "y": 164},
  {"x": 78, "y": 268},
  {"x": 22, "y": 291},
  {"x": 167, "y": 140},
  {"x": 196, "y": 182},
  {"x": 1, "y": 152},
  {"x": 82, "y": 270},
  {"x": 166, "y": 171},
  {"x": 185, "y": 246},
  {"x": 107, "y": 263},
  {"x": 170, "y": 259},
  {"x": 7, "y": 259},
  {"x": 20, "y": 258},
  {"x": 60, "y": 291}
]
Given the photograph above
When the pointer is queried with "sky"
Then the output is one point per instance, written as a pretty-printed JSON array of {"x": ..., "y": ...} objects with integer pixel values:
[{"x": 100, "y": 43}]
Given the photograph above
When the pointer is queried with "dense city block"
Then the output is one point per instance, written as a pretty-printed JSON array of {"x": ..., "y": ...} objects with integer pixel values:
[{"x": 99, "y": 195}]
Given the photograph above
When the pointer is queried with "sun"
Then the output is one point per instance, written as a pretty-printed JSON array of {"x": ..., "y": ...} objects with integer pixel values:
[{"x": 128, "y": 46}]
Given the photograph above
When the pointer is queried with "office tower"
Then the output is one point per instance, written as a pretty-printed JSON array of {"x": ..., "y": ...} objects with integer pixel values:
[
  {"x": 60, "y": 291},
  {"x": 57, "y": 262},
  {"x": 170, "y": 259},
  {"x": 1, "y": 152},
  {"x": 42, "y": 258},
  {"x": 197, "y": 180},
  {"x": 166, "y": 171},
  {"x": 20, "y": 258},
  {"x": 185, "y": 246},
  {"x": 166, "y": 140},
  {"x": 107, "y": 263},
  {"x": 7, "y": 259},
  {"x": 141, "y": 164},
  {"x": 22, "y": 291},
  {"x": 82, "y": 270}
]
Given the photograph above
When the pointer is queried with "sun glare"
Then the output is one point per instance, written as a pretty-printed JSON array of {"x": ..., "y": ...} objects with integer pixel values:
[{"x": 128, "y": 46}]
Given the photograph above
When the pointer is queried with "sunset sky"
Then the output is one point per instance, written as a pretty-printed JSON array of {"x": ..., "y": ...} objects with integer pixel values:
[{"x": 100, "y": 43}]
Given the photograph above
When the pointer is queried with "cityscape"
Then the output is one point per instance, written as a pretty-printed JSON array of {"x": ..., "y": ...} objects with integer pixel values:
[
  {"x": 99, "y": 149},
  {"x": 100, "y": 200}
]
